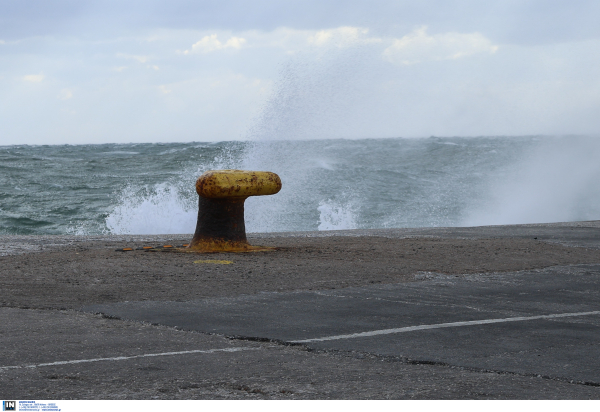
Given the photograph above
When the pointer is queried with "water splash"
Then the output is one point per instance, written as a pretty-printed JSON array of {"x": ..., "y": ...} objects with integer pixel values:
[
  {"x": 335, "y": 216},
  {"x": 168, "y": 207},
  {"x": 160, "y": 209},
  {"x": 314, "y": 98}
]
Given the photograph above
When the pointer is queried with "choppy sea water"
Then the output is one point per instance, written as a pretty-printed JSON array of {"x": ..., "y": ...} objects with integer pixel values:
[{"x": 327, "y": 184}]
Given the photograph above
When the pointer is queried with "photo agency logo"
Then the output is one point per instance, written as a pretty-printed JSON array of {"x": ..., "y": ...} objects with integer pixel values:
[{"x": 9, "y": 405}]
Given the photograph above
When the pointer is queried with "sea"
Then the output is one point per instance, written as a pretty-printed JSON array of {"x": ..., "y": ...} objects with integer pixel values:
[{"x": 148, "y": 188}]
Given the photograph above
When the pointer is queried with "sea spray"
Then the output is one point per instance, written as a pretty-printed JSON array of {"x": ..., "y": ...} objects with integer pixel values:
[
  {"x": 312, "y": 101},
  {"x": 554, "y": 180}
]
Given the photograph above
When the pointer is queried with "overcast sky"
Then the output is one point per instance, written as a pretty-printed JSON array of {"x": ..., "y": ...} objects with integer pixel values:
[{"x": 174, "y": 71}]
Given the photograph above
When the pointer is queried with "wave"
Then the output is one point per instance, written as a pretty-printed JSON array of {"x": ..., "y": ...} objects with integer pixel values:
[{"x": 327, "y": 184}]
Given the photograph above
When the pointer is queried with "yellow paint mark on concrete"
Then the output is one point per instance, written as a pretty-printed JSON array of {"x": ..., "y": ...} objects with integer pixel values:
[{"x": 215, "y": 262}]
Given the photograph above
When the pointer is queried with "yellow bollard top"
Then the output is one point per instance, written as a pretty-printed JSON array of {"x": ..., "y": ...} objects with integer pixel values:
[{"x": 237, "y": 183}]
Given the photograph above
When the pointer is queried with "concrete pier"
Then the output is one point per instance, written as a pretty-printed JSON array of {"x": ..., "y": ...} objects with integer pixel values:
[{"x": 497, "y": 312}]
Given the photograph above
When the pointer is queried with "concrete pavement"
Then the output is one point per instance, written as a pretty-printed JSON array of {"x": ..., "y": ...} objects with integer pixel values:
[{"x": 495, "y": 334}]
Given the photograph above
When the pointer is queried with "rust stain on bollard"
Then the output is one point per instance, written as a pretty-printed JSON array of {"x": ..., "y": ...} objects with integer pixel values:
[{"x": 222, "y": 193}]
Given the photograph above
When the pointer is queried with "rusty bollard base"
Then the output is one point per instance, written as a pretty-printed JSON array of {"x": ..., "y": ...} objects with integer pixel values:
[
  {"x": 222, "y": 193},
  {"x": 204, "y": 247},
  {"x": 216, "y": 246}
]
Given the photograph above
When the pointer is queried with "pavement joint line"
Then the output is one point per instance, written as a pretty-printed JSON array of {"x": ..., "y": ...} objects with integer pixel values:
[
  {"x": 408, "y": 302},
  {"x": 443, "y": 325},
  {"x": 121, "y": 358}
]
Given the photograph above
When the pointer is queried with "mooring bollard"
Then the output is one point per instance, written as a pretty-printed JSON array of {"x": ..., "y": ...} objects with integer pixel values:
[{"x": 222, "y": 193}]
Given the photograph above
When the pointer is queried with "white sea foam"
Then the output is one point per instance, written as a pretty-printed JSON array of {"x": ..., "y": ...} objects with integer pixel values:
[
  {"x": 119, "y": 152},
  {"x": 335, "y": 216},
  {"x": 160, "y": 209}
]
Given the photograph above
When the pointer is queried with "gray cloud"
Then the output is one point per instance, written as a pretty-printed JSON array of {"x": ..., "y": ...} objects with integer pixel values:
[
  {"x": 509, "y": 21},
  {"x": 183, "y": 70}
]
